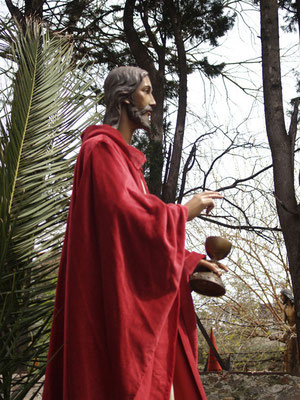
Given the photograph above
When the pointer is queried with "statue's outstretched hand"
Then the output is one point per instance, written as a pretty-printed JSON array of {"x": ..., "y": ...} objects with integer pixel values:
[{"x": 202, "y": 201}]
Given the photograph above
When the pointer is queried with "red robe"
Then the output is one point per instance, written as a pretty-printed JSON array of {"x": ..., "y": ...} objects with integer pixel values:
[{"x": 123, "y": 297}]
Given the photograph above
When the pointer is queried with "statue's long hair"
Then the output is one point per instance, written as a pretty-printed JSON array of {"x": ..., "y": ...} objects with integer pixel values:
[{"x": 119, "y": 85}]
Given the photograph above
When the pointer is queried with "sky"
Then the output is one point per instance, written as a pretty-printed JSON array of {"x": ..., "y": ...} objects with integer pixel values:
[
  {"x": 222, "y": 104},
  {"x": 242, "y": 43}
]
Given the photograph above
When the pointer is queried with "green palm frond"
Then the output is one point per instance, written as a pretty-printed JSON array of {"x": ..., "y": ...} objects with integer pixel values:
[{"x": 37, "y": 150}]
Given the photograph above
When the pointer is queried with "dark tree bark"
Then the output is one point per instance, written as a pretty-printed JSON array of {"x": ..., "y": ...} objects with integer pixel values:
[
  {"x": 144, "y": 60},
  {"x": 298, "y": 15},
  {"x": 33, "y": 8},
  {"x": 282, "y": 144},
  {"x": 14, "y": 11},
  {"x": 169, "y": 190}
]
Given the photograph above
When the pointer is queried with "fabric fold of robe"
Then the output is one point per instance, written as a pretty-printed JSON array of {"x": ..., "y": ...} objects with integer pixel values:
[{"x": 122, "y": 271}]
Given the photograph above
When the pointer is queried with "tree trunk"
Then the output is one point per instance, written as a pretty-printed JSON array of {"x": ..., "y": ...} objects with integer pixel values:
[
  {"x": 33, "y": 8},
  {"x": 169, "y": 190},
  {"x": 282, "y": 145},
  {"x": 144, "y": 60}
]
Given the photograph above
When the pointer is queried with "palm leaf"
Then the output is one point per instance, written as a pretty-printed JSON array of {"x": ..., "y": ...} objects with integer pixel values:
[{"x": 37, "y": 150}]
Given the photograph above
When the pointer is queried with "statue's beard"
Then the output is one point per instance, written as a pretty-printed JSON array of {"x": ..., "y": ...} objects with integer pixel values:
[{"x": 139, "y": 116}]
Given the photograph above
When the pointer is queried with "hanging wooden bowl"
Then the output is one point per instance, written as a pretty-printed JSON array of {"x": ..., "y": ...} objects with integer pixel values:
[{"x": 204, "y": 281}]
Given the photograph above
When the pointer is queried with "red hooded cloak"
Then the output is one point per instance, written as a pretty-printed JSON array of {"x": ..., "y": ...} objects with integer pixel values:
[{"x": 123, "y": 302}]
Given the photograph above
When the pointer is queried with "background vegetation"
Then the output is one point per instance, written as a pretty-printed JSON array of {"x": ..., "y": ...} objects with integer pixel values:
[{"x": 53, "y": 81}]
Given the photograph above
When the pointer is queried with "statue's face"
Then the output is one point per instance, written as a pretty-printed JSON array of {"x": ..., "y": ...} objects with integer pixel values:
[{"x": 140, "y": 107}]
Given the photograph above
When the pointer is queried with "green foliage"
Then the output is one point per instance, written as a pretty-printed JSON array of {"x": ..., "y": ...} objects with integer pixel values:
[
  {"x": 210, "y": 70},
  {"x": 37, "y": 149},
  {"x": 204, "y": 20},
  {"x": 99, "y": 36},
  {"x": 292, "y": 11},
  {"x": 200, "y": 21}
]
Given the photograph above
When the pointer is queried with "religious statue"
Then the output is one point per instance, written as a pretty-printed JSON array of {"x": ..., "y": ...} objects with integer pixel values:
[{"x": 124, "y": 324}]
